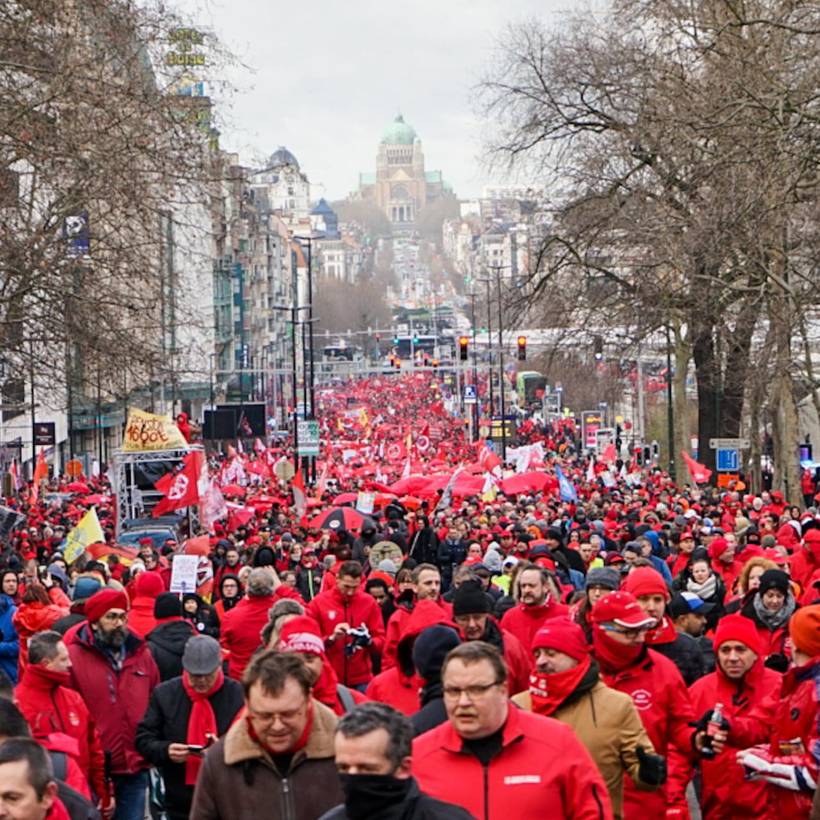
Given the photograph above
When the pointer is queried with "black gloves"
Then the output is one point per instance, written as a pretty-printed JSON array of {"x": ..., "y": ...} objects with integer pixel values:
[{"x": 652, "y": 768}]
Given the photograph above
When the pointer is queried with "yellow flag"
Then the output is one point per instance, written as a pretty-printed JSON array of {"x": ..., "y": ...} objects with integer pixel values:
[
  {"x": 363, "y": 417},
  {"x": 147, "y": 431},
  {"x": 87, "y": 532}
]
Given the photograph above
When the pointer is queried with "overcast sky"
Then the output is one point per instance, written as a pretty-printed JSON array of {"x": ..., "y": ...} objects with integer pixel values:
[{"x": 327, "y": 76}]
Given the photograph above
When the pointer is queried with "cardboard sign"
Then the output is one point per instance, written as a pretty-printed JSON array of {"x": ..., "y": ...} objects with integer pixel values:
[
  {"x": 183, "y": 573},
  {"x": 147, "y": 431}
]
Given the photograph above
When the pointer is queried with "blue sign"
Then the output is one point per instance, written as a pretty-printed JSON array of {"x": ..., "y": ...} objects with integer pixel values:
[
  {"x": 728, "y": 461},
  {"x": 470, "y": 396}
]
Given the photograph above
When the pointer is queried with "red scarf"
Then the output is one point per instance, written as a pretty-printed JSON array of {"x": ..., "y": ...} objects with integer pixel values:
[
  {"x": 300, "y": 744},
  {"x": 201, "y": 723},
  {"x": 325, "y": 690},
  {"x": 548, "y": 692},
  {"x": 664, "y": 632},
  {"x": 611, "y": 655}
]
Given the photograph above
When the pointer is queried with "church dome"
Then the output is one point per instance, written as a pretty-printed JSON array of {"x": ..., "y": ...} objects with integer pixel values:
[
  {"x": 399, "y": 133},
  {"x": 282, "y": 157}
]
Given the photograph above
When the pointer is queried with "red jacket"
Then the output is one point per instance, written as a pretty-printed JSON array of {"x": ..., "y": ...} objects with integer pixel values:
[
  {"x": 117, "y": 699},
  {"x": 662, "y": 700},
  {"x": 147, "y": 587},
  {"x": 803, "y": 565},
  {"x": 331, "y": 608},
  {"x": 35, "y": 617},
  {"x": 524, "y": 621},
  {"x": 396, "y": 626},
  {"x": 399, "y": 685},
  {"x": 749, "y": 707},
  {"x": 542, "y": 771},
  {"x": 49, "y": 706},
  {"x": 241, "y": 631}
]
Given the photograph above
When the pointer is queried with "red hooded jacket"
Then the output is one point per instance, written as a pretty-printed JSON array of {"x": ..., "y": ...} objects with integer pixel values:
[
  {"x": 331, "y": 608},
  {"x": 49, "y": 706},
  {"x": 399, "y": 685},
  {"x": 118, "y": 698},
  {"x": 35, "y": 617},
  {"x": 749, "y": 706},
  {"x": 141, "y": 615},
  {"x": 241, "y": 631},
  {"x": 542, "y": 770},
  {"x": 524, "y": 621},
  {"x": 806, "y": 560}
]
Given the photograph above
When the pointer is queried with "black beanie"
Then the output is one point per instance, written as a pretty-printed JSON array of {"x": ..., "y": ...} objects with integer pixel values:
[
  {"x": 470, "y": 599},
  {"x": 264, "y": 557},
  {"x": 167, "y": 605},
  {"x": 774, "y": 579}
]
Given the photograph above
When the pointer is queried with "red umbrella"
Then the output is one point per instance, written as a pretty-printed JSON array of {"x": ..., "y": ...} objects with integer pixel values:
[
  {"x": 78, "y": 487},
  {"x": 381, "y": 499},
  {"x": 524, "y": 483},
  {"x": 339, "y": 518},
  {"x": 233, "y": 490}
]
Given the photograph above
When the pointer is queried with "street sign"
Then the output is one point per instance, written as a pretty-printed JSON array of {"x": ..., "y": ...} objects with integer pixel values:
[
  {"x": 728, "y": 444},
  {"x": 727, "y": 460},
  {"x": 308, "y": 434},
  {"x": 591, "y": 422},
  {"x": 43, "y": 433},
  {"x": 470, "y": 396}
]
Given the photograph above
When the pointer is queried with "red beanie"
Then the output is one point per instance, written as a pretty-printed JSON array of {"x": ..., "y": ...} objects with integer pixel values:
[
  {"x": 804, "y": 630},
  {"x": 149, "y": 585},
  {"x": 563, "y": 635},
  {"x": 302, "y": 634},
  {"x": 718, "y": 547},
  {"x": 645, "y": 581},
  {"x": 100, "y": 602},
  {"x": 737, "y": 628}
]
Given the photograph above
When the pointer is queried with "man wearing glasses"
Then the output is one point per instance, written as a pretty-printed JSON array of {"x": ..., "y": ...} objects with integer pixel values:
[
  {"x": 619, "y": 627},
  {"x": 276, "y": 761},
  {"x": 497, "y": 761},
  {"x": 115, "y": 673}
]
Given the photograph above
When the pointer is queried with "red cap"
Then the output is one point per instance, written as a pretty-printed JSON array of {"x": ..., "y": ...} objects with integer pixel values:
[
  {"x": 563, "y": 635},
  {"x": 645, "y": 581},
  {"x": 737, "y": 628},
  {"x": 623, "y": 609}
]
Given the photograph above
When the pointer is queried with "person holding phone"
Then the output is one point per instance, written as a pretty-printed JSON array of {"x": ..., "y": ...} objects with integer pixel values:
[{"x": 185, "y": 716}]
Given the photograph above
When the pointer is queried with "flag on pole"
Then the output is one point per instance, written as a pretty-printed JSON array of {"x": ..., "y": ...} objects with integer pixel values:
[
  {"x": 87, "y": 532},
  {"x": 447, "y": 495},
  {"x": 700, "y": 472},
  {"x": 297, "y": 487},
  {"x": 40, "y": 474},
  {"x": 180, "y": 489},
  {"x": 591, "y": 470},
  {"x": 15, "y": 475},
  {"x": 566, "y": 489}
]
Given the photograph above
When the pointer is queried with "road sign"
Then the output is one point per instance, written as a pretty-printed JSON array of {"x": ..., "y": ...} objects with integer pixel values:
[
  {"x": 308, "y": 434},
  {"x": 470, "y": 396},
  {"x": 43, "y": 433},
  {"x": 728, "y": 444},
  {"x": 727, "y": 460}
]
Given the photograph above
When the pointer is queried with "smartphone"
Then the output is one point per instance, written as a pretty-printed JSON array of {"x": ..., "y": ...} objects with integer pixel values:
[{"x": 195, "y": 750}]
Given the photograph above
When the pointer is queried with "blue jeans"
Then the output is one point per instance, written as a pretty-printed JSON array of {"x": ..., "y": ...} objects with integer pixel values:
[{"x": 129, "y": 791}]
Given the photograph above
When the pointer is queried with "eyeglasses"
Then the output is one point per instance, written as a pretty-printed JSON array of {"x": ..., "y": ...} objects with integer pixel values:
[
  {"x": 115, "y": 617},
  {"x": 266, "y": 718},
  {"x": 474, "y": 692},
  {"x": 627, "y": 633}
]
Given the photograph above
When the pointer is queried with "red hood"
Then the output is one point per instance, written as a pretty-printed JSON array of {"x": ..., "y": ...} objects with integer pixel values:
[
  {"x": 425, "y": 613},
  {"x": 35, "y": 617}
]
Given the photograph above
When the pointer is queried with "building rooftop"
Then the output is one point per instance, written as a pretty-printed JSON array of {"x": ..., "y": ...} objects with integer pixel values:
[{"x": 399, "y": 133}]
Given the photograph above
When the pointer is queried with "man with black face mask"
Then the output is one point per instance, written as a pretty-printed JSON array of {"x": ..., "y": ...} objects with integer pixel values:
[{"x": 373, "y": 756}]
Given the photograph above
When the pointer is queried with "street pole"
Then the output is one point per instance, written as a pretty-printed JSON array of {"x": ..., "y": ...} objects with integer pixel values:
[
  {"x": 497, "y": 269},
  {"x": 490, "y": 349},
  {"x": 474, "y": 411},
  {"x": 295, "y": 388},
  {"x": 670, "y": 411}
]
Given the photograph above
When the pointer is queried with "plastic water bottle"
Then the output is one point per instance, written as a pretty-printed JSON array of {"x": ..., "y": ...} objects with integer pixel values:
[{"x": 714, "y": 726}]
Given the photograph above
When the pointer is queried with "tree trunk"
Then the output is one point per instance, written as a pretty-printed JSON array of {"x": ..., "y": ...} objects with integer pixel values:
[
  {"x": 683, "y": 353},
  {"x": 706, "y": 374}
]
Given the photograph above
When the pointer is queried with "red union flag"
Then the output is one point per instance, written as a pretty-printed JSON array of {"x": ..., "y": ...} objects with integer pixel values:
[
  {"x": 700, "y": 473},
  {"x": 180, "y": 489}
]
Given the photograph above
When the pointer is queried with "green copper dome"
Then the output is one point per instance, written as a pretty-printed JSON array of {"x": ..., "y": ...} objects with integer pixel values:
[{"x": 399, "y": 133}]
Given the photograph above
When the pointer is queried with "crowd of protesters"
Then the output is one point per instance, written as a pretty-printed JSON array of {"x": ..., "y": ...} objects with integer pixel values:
[{"x": 629, "y": 649}]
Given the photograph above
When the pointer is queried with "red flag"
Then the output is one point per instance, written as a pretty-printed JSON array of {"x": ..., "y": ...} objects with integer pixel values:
[
  {"x": 488, "y": 459},
  {"x": 40, "y": 474},
  {"x": 610, "y": 454},
  {"x": 297, "y": 487},
  {"x": 699, "y": 472},
  {"x": 180, "y": 489}
]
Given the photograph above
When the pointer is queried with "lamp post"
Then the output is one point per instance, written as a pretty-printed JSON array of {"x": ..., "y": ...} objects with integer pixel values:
[
  {"x": 498, "y": 269},
  {"x": 670, "y": 410}
]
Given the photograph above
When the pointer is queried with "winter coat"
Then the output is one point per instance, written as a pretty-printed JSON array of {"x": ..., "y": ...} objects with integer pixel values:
[
  {"x": 415, "y": 806},
  {"x": 49, "y": 708},
  {"x": 396, "y": 626},
  {"x": 309, "y": 581},
  {"x": 31, "y": 618},
  {"x": 662, "y": 700},
  {"x": 524, "y": 621},
  {"x": 141, "y": 618},
  {"x": 518, "y": 660},
  {"x": 240, "y": 634},
  {"x": 239, "y": 780},
  {"x": 433, "y": 712},
  {"x": 424, "y": 547},
  {"x": 686, "y": 653},
  {"x": 542, "y": 771},
  {"x": 748, "y": 706},
  {"x": 116, "y": 697},
  {"x": 166, "y": 722},
  {"x": 773, "y": 642},
  {"x": 607, "y": 723},
  {"x": 331, "y": 608},
  {"x": 9, "y": 644},
  {"x": 167, "y": 643}
]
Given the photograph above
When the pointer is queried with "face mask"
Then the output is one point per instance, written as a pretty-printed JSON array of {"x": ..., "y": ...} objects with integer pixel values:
[{"x": 368, "y": 794}]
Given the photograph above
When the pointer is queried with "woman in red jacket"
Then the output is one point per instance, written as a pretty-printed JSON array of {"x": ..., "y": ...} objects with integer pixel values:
[{"x": 37, "y": 612}]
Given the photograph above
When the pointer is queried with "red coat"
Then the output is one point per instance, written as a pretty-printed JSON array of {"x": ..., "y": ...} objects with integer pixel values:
[
  {"x": 803, "y": 565},
  {"x": 662, "y": 700},
  {"x": 524, "y": 621},
  {"x": 542, "y": 771},
  {"x": 749, "y": 708},
  {"x": 331, "y": 608},
  {"x": 49, "y": 706},
  {"x": 395, "y": 630},
  {"x": 117, "y": 699},
  {"x": 241, "y": 631},
  {"x": 34, "y": 617}
]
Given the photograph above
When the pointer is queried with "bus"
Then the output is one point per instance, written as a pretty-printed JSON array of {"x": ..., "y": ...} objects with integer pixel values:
[{"x": 530, "y": 385}]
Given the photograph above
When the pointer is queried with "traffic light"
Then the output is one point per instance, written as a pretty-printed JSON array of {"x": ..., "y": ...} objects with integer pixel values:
[
  {"x": 435, "y": 363},
  {"x": 416, "y": 340},
  {"x": 396, "y": 340},
  {"x": 463, "y": 342},
  {"x": 522, "y": 348},
  {"x": 598, "y": 348}
]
